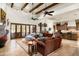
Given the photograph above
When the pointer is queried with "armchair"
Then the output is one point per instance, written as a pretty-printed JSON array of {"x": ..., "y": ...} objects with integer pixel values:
[{"x": 3, "y": 39}]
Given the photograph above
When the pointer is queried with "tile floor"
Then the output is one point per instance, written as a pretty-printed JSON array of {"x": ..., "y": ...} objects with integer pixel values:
[{"x": 68, "y": 48}]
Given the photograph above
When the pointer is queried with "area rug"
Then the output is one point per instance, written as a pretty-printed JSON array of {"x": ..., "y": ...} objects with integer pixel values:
[{"x": 24, "y": 46}]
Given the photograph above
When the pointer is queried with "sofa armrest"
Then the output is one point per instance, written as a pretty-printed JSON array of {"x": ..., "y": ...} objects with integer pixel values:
[{"x": 40, "y": 42}]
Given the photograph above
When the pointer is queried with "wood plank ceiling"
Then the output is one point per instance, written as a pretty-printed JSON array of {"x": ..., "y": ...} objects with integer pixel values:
[
  {"x": 36, "y": 7},
  {"x": 24, "y": 6},
  {"x": 12, "y": 5},
  {"x": 47, "y": 8}
]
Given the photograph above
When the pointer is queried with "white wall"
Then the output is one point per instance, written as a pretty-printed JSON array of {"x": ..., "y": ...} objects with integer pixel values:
[
  {"x": 3, "y": 6},
  {"x": 17, "y": 16}
]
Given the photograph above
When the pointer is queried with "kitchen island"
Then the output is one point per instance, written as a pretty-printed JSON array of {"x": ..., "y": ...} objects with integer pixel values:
[{"x": 70, "y": 35}]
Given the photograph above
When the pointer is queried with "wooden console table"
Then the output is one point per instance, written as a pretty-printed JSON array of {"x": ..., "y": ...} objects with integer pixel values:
[{"x": 32, "y": 47}]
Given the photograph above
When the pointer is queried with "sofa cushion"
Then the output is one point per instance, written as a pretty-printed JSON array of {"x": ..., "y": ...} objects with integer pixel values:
[
  {"x": 57, "y": 35},
  {"x": 40, "y": 34},
  {"x": 42, "y": 38}
]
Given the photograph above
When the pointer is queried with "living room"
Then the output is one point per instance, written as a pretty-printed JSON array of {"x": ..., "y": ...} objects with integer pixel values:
[{"x": 22, "y": 19}]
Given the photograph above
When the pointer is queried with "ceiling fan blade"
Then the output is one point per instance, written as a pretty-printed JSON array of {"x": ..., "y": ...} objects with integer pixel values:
[
  {"x": 37, "y": 19},
  {"x": 50, "y": 14},
  {"x": 44, "y": 15},
  {"x": 33, "y": 18},
  {"x": 50, "y": 11}
]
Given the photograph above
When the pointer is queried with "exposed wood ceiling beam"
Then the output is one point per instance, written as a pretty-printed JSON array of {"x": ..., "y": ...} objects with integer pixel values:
[
  {"x": 12, "y": 5},
  {"x": 47, "y": 7},
  {"x": 24, "y": 6},
  {"x": 36, "y": 7}
]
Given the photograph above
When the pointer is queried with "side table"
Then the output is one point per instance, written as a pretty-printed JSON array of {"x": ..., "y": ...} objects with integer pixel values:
[{"x": 32, "y": 47}]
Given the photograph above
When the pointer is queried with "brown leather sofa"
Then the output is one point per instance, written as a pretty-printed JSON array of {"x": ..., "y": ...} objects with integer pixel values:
[{"x": 48, "y": 45}]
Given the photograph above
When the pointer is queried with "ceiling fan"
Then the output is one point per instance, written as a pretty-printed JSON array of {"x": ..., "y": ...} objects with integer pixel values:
[
  {"x": 34, "y": 18},
  {"x": 48, "y": 13}
]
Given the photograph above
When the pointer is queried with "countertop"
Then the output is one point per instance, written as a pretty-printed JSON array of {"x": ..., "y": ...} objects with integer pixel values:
[{"x": 67, "y": 31}]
